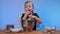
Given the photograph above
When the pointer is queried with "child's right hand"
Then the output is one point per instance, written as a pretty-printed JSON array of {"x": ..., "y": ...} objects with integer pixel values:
[{"x": 27, "y": 12}]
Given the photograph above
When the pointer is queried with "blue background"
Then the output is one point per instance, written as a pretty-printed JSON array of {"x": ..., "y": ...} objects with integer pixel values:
[{"x": 48, "y": 10}]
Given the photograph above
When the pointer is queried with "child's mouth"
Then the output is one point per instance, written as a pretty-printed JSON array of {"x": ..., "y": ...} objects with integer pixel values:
[{"x": 28, "y": 10}]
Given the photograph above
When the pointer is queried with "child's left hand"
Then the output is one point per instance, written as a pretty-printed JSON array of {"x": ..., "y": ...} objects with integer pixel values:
[{"x": 32, "y": 16}]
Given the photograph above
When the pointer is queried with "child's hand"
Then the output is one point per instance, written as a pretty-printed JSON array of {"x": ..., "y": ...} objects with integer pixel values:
[
  {"x": 32, "y": 16},
  {"x": 27, "y": 12}
]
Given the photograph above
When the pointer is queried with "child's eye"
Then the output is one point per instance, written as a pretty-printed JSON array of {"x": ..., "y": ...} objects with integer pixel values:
[{"x": 29, "y": 6}]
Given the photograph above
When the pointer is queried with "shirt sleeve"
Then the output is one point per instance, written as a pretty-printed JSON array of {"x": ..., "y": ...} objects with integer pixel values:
[
  {"x": 22, "y": 19},
  {"x": 35, "y": 14}
]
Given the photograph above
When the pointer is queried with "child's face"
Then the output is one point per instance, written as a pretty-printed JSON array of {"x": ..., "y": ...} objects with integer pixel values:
[{"x": 29, "y": 7}]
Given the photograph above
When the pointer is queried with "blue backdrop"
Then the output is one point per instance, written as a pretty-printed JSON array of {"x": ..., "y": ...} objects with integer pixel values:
[{"x": 48, "y": 10}]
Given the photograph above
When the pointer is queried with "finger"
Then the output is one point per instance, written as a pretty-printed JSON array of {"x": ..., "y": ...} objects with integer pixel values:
[{"x": 30, "y": 16}]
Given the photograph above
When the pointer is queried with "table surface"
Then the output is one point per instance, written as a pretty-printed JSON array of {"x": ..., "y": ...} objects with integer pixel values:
[{"x": 32, "y": 32}]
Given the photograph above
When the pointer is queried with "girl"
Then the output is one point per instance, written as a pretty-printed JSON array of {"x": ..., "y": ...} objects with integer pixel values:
[{"x": 28, "y": 13}]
